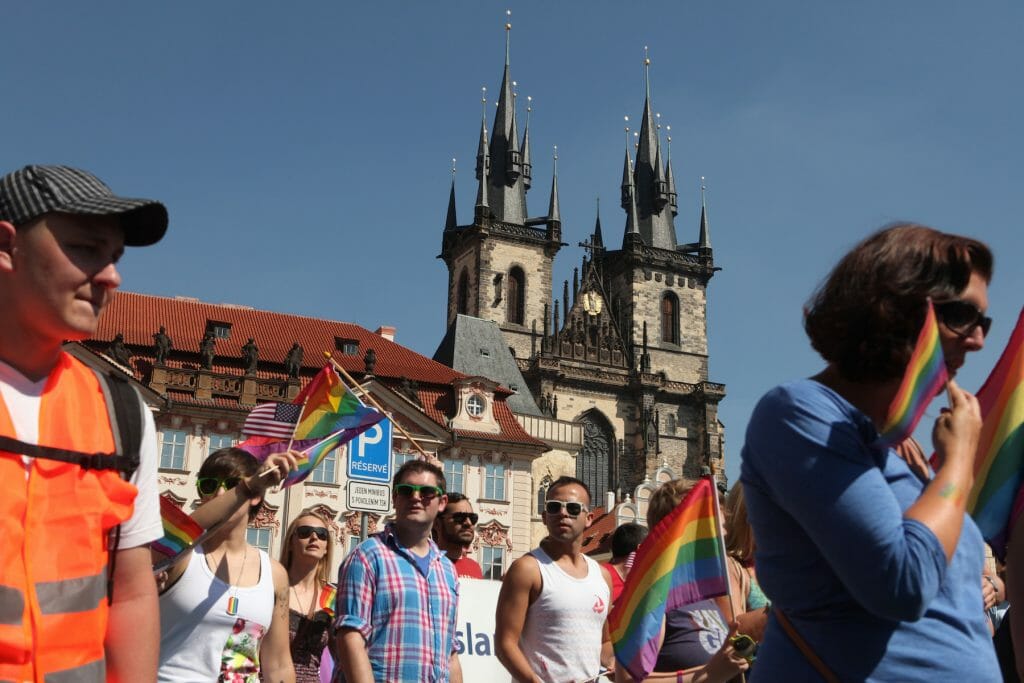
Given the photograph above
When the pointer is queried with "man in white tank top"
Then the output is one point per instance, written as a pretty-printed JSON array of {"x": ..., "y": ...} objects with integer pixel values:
[{"x": 554, "y": 600}]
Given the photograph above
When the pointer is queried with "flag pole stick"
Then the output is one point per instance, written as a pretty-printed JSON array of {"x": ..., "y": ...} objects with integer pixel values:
[
  {"x": 378, "y": 406},
  {"x": 725, "y": 553}
]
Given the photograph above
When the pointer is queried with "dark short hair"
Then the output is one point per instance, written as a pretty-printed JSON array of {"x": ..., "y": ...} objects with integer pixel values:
[
  {"x": 865, "y": 318},
  {"x": 456, "y": 497},
  {"x": 231, "y": 462},
  {"x": 414, "y": 466},
  {"x": 627, "y": 538},
  {"x": 568, "y": 481}
]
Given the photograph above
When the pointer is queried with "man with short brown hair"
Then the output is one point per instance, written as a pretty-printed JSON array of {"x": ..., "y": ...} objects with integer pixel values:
[{"x": 454, "y": 531}]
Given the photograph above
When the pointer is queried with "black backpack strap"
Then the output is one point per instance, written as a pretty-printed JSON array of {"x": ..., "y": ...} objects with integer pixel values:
[
  {"x": 87, "y": 461},
  {"x": 124, "y": 408}
]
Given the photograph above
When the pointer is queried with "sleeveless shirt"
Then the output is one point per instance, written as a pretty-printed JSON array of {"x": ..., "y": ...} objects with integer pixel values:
[
  {"x": 199, "y": 640},
  {"x": 562, "y": 634}
]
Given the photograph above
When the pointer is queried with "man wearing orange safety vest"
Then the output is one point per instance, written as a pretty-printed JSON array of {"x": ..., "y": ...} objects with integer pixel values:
[{"x": 62, "y": 232}]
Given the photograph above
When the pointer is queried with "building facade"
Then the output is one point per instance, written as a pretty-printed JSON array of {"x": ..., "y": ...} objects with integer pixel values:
[
  {"x": 202, "y": 367},
  {"x": 622, "y": 350}
]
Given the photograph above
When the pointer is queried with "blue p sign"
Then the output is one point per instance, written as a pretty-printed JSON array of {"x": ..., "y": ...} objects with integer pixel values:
[{"x": 370, "y": 455}]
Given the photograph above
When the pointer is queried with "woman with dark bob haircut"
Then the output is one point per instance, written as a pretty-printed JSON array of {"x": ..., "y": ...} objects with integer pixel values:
[{"x": 873, "y": 570}]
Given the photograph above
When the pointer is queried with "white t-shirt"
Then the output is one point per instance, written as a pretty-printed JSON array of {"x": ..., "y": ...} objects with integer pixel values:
[{"x": 23, "y": 398}]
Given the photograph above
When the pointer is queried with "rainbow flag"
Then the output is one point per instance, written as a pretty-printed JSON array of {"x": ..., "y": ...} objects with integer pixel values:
[
  {"x": 328, "y": 406},
  {"x": 923, "y": 379},
  {"x": 998, "y": 465},
  {"x": 180, "y": 531},
  {"x": 682, "y": 561},
  {"x": 328, "y": 600}
]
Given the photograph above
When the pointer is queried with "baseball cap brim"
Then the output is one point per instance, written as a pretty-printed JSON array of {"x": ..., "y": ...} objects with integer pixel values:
[{"x": 144, "y": 221}]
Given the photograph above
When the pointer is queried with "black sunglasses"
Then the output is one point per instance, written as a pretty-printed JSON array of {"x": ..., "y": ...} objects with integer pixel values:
[
  {"x": 304, "y": 532},
  {"x": 208, "y": 486},
  {"x": 461, "y": 517},
  {"x": 427, "y": 493},
  {"x": 554, "y": 507},
  {"x": 962, "y": 317}
]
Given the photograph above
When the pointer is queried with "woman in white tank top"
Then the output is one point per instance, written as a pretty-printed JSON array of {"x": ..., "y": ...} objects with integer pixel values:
[{"x": 223, "y": 612}]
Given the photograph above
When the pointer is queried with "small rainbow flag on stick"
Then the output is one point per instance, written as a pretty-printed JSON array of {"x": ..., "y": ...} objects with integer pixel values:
[
  {"x": 328, "y": 600},
  {"x": 681, "y": 562},
  {"x": 998, "y": 465},
  {"x": 923, "y": 379},
  {"x": 181, "y": 532}
]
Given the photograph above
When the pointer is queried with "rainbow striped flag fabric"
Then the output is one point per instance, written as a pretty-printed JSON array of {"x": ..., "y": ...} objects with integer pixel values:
[
  {"x": 998, "y": 472},
  {"x": 328, "y": 406},
  {"x": 923, "y": 379},
  {"x": 328, "y": 600},
  {"x": 682, "y": 561},
  {"x": 180, "y": 531}
]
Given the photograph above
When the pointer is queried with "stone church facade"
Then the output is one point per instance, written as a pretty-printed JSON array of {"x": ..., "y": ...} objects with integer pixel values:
[{"x": 621, "y": 350}]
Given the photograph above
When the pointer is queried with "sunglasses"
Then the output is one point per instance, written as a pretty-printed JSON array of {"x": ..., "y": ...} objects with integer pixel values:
[
  {"x": 555, "y": 507},
  {"x": 461, "y": 517},
  {"x": 427, "y": 493},
  {"x": 208, "y": 486},
  {"x": 962, "y": 317},
  {"x": 304, "y": 532}
]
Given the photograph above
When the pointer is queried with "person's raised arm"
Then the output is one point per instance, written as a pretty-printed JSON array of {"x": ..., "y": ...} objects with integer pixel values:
[
  {"x": 275, "y": 650},
  {"x": 217, "y": 510},
  {"x": 519, "y": 588},
  {"x": 132, "y": 641},
  {"x": 955, "y": 435}
]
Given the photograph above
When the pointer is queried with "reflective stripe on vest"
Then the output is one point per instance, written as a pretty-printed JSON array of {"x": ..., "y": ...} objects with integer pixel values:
[
  {"x": 71, "y": 595},
  {"x": 12, "y": 605},
  {"x": 93, "y": 672}
]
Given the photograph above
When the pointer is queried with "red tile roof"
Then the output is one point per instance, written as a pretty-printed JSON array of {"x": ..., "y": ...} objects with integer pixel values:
[
  {"x": 139, "y": 316},
  {"x": 597, "y": 538}
]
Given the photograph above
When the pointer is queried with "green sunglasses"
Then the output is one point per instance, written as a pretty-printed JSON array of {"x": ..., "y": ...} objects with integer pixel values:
[
  {"x": 427, "y": 493},
  {"x": 208, "y": 486}
]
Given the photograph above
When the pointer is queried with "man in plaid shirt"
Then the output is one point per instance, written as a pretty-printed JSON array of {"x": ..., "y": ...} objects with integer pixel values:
[{"x": 398, "y": 595}]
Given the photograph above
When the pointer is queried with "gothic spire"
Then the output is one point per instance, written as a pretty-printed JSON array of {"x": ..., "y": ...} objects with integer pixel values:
[
  {"x": 598, "y": 241},
  {"x": 629, "y": 196},
  {"x": 705, "y": 234},
  {"x": 651, "y": 187},
  {"x": 507, "y": 189},
  {"x": 554, "y": 215},
  {"x": 451, "y": 222},
  {"x": 483, "y": 162},
  {"x": 669, "y": 178},
  {"x": 527, "y": 163}
]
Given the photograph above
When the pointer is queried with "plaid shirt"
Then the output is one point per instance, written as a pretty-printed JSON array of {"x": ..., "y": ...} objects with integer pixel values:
[{"x": 406, "y": 617}]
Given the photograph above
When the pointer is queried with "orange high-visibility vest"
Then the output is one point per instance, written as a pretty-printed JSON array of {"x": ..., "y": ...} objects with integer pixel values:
[{"x": 54, "y": 529}]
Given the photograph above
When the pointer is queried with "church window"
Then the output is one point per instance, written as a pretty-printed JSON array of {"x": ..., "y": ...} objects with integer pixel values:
[
  {"x": 516, "y": 305},
  {"x": 462, "y": 294},
  {"x": 594, "y": 463},
  {"x": 670, "y": 318},
  {"x": 542, "y": 493}
]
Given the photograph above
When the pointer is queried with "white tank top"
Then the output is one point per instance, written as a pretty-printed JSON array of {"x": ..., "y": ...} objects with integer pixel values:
[
  {"x": 562, "y": 634},
  {"x": 199, "y": 640}
]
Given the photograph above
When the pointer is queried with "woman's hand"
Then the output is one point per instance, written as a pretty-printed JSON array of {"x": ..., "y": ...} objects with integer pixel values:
[
  {"x": 724, "y": 665},
  {"x": 273, "y": 471},
  {"x": 958, "y": 428}
]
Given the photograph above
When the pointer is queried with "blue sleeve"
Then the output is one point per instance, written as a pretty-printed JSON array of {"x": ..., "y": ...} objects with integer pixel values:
[
  {"x": 357, "y": 586},
  {"x": 813, "y": 456}
]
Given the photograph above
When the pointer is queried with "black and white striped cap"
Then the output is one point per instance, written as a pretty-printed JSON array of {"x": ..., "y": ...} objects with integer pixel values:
[{"x": 34, "y": 190}]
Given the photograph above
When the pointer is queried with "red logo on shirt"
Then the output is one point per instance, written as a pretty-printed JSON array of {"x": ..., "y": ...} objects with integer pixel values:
[{"x": 598, "y": 604}]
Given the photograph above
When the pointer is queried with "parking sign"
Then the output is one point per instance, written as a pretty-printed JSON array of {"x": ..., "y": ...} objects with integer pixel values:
[{"x": 369, "y": 454}]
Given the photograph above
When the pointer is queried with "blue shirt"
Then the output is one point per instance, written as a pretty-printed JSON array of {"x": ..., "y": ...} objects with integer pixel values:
[
  {"x": 403, "y": 606},
  {"x": 869, "y": 590}
]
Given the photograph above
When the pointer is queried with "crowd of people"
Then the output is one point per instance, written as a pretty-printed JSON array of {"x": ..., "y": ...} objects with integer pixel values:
[{"x": 865, "y": 566}]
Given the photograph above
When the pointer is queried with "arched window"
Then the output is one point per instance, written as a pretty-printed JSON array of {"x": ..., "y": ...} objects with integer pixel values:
[
  {"x": 515, "y": 308},
  {"x": 594, "y": 463},
  {"x": 670, "y": 318},
  {"x": 542, "y": 493},
  {"x": 462, "y": 293}
]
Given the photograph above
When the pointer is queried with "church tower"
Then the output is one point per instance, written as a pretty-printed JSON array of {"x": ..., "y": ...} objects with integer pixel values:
[
  {"x": 623, "y": 351},
  {"x": 499, "y": 266}
]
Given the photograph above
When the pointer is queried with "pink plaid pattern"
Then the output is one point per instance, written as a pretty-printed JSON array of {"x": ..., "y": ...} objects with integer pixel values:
[{"x": 407, "y": 617}]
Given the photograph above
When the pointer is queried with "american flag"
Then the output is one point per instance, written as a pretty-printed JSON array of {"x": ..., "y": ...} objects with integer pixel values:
[{"x": 272, "y": 419}]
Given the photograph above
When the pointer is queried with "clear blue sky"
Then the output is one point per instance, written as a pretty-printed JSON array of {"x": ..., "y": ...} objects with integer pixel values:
[{"x": 303, "y": 149}]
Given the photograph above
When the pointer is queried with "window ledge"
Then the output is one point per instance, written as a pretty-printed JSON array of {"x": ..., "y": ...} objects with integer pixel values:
[
  {"x": 494, "y": 500},
  {"x": 173, "y": 470},
  {"x": 326, "y": 484}
]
